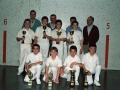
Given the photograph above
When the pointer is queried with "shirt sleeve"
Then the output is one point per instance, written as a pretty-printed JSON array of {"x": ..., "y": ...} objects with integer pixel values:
[
  {"x": 79, "y": 29},
  {"x": 65, "y": 62},
  {"x": 81, "y": 36},
  {"x": 83, "y": 60},
  {"x": 49, "y": 32},
  {"x": 28, "y": 58},
  {"x": 60, "y": 63},
  {"x": 78, "y": 60},
  {"x": 47, "y": 62},
  {"x": 19, "y": 34},
  {"x": 68, "y": 36},
  {"x": 37, "y": 32},
  {"x": 64, "y": 34},
  {"x": 40, "y": 57}
]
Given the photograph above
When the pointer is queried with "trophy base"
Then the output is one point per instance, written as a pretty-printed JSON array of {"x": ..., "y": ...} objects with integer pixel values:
[
  {"x": 72, "y": 84},
  {"x": 30, "y": 83},
  {"x": 85, "y": 84},
  {"x": 44, "y": 37},
  {"x": 49, "y": 84},
  {"x": 57, "y": 43}
]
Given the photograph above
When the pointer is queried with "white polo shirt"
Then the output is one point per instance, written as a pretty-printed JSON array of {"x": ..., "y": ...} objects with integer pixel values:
[
  {"x": 77, "y": 36},
  {"x": 54, "y": 63},
  {"x": 28, "y": 36},
  {"x": 54, "y": 35},
  {"x": 32, "y": 58},
  {"x": 70, "y": 60},
  {"x": 39, "y": 33},
  {"x": 89, "y": 61}
]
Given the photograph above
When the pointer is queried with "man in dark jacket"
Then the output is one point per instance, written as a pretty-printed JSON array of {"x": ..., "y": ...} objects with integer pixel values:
[{"x": 90, "y": 34}]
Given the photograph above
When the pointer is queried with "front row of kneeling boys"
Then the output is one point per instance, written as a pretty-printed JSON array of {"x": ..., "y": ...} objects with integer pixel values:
[{"x": 90, "y": 62}]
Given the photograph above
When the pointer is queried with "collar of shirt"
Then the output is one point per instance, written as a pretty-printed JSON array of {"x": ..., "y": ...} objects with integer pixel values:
[
  {"x": 53, "y": 27},
  {"x": 32, "y": 23}
]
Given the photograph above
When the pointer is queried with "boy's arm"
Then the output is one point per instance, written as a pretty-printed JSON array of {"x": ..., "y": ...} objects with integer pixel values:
[
  {"x": 62, "y": 71},
  {"x": 46, "y": 74},
  {"x": 35, "y": 40},
  {"x": 81, "y": 45},
  {"x": 79, "y": 64},
  {"x": 58, "y": 73},
  {"x": 27, "y": 67},
  {"x": 33, "y": 64},
  {"x": 84, "y": 68}
]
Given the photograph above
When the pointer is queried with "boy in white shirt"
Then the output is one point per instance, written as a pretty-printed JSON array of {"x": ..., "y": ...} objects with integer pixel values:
[
  {"x": 34, "y": 64},
  {"x": 42, "y": 37},
  {"x": 72, "y": 62},
  {"x": 25, "y": 36},
  {"x": 53, "y": 65},
  {"x": 75, "y": 37},
  {"x": 58, "y": 40},
  {"x": 90, "y": 63}
]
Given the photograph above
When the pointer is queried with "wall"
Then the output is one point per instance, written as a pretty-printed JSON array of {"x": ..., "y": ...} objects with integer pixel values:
[{"x": 104, "y": 11}]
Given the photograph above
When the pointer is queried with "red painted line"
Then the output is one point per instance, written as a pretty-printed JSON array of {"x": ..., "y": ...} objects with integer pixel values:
[
  {"x": 4, "y": 46},
  {"x": 106, "y": 51}
]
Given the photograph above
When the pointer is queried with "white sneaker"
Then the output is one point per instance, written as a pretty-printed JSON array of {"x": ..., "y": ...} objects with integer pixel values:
[
  {"x": 97, "y": 83},
  {"x": 26, "y": 79},
  {"x": 19, "y": 72},
  {"x": 38, "y": 81},
  {"x": 76, "y": 83}
]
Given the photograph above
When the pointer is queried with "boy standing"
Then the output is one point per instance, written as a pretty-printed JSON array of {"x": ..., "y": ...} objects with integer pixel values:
[
  {"x": 53, "y": 65},
  {"x": 34, "y": 64},
  {"x": 90, "y": 63},
  {"x": 72, "y": 62}
]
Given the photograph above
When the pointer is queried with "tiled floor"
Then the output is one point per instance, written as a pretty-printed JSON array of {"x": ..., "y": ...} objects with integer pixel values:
[{"x": 109, "y": 79}]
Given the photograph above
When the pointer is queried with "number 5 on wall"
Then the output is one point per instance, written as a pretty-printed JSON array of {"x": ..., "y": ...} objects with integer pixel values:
[
  {"x": 5, "y": 21},
  {"x": 108, "y": 26}
]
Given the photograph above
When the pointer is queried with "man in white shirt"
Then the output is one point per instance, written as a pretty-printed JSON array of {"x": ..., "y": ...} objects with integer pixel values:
[
  {"x": 25, "y": 36},
  {"x": 42, "y": 37},
  {"x": 58, "y": 40},
  {"x": 90, "y": 63},
  {"x": 72, "y": 62},
  {"x": 53, "y": 64},
  {"x": 34, "y": 64}
]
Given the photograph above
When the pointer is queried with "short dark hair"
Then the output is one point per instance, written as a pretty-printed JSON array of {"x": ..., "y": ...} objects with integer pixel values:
[
  {"x": 75, "y": 22},
  {"x": 27, "y": 20},
  {"x": 91, "y": 17},
  {"x": 92, "y": 45},
  {"x": 53, "y": 48},
  {"x": 73, "y": 47},
  {"x": 44, "y": 17},
  {"x": 73, "y": 18},
  {"x": 52, "y": 15},
  {"x": 36, "y": 45},
  {"x": 32, "y": 11},
  {"x": 58, "y": 21}
]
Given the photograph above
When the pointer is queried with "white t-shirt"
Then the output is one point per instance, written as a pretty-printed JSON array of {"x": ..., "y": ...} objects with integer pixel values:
[
  {"x": 54, "y": 35},
  {"x": 89, "y": 61},
  {"x": 28, "y": 36},
  {"x": 70, "y": 60},
  {"x": 32, "y": 58},
  {"x": 54, "y": 63},
  {"x": 77, "y": 36},
  {"x": 39, "y": 33}
]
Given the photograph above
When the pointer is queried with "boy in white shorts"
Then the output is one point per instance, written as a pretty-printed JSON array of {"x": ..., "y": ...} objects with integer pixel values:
[
  {"x": 90, "y": 63},
  {"x": 75, "y": 37},
  {"x": 34, "y": 64},
  {"x": 42, "y": 37},
  {"x": 72, "y": 62},
  {"x": 53, "y": 64},
  {"x": 25, "y": 37}
]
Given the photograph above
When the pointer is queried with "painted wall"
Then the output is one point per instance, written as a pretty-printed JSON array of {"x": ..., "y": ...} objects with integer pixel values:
[{"x": 104, "y": 11}]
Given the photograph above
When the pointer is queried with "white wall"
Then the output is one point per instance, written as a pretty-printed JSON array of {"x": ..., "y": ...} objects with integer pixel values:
[{"x": 104, "y": 11}]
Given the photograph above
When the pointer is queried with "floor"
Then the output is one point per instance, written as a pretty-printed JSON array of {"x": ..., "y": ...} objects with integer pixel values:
[{"x": 109, "y": 79}]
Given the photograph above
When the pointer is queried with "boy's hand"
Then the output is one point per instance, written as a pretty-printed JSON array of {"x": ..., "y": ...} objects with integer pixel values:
[
  {"x": 89, "y": 73},
  {"x": 32, "y": 64},
  {"x": 62, "y": 73},
  {"x": 44, "y": 33},
  {"x": 46, "y": 80},
  {"x": 72, "y": 64},
  {"x": 23, "y": 38},
  {"x": 27, "y": 71},
  {"x": 56, "y": 80},
  {"x": 57, "y": 40}
]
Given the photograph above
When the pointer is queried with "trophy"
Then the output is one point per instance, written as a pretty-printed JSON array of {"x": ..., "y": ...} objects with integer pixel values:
[
  {"x": 23, "y": 32},
  {"x": 58, "y": 34},
  {"x": 85, "y": 82},
  {"x": 30, "y": 75},
  {"x": 71, "y": 37},
  {"x": 72, "y": 78},
  {"x": 50, "y": 79},
  {"x": 44, "y": 27}
]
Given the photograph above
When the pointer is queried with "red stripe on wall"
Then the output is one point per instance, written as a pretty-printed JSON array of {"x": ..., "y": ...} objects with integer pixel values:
[
  {"x": 106, "y": 51},
  {"x": 4, "y": 46}
]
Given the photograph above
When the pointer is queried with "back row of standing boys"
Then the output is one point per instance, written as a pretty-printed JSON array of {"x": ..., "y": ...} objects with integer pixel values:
[{"x": 50, "y": 37}]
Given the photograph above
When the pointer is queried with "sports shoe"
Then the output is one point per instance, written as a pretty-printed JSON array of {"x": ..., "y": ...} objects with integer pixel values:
[
  {"x": 38, "y": 81},
  {"x": 97, "y": 83},
  {"x": 76, "y": 83}
]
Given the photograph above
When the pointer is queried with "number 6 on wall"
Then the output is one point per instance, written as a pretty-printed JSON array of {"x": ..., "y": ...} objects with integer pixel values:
[
  {"x": 5, "y": 21},
  {"x": 108, "y": 25}
]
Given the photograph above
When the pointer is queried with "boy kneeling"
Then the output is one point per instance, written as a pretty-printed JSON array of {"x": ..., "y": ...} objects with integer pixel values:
[
  {"x": 90, "y": 63},
  {"x": 34, "y": 64},
  {"x": 53, "y": 65},
  {"x": 72, "y": 62}
]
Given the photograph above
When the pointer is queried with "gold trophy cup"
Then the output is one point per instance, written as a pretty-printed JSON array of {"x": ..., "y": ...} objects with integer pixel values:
[
  {"x": 50, "y": 79},
  {"x": 30, "y": 75},
  {"x": 58, "y": 34},
  {"x": 85, "y": 82},
  {"x": 71, "y": 37},
  {"x": 44, "y": 27},
  {"x": 72, "y": 79}
]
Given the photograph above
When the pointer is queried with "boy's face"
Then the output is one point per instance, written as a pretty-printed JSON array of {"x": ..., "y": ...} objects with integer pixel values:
[
  {"x": 53, "y": 53},
  {"x": 32, "y": 15},
  {"x": 72, "y": 52},
  {"x": 27, "y": 24},
  {"x": 58, "y": 25},
  {"x": 53, "y": 19},
  {"x": 44, "y": 22},
  {"x": 75, "y": 26},
  {"x": 89, "y": 21},
  {"x": 36, "y": 50},
  {"x": 92, "y": 50}
]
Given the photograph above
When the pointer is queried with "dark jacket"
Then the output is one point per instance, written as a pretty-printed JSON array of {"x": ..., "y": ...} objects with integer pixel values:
[{"x": 93, "y": 36}]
